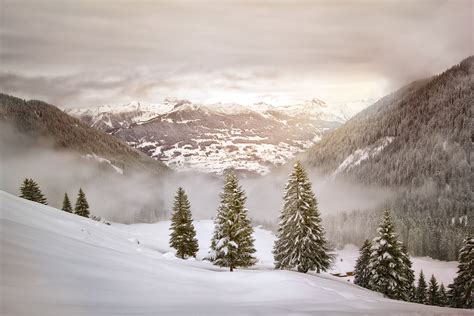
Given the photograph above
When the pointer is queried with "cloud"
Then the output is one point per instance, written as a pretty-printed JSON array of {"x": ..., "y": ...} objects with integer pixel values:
[
  {"x": 327, "y": 49},
  {"x": 140, "y": 197}
]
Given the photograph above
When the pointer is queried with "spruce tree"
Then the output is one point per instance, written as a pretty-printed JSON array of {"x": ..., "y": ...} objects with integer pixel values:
[
  {"x": 433, "y": 292},
  {"x": 82, "y": 207},
  {"x": 66, "y": 204},
  {"x": 461, "y": 293},
  {"x": 408, "y": 288},
  {"x": 443, "y": 297},
  {"x": 387, "y": 268},
  {"x": 26, "y": 190},
  {"x": 232, "y": 244},
  {"x": 183, "y": 235},
  {"x": 362, "y": 272},
  {"x": 30, "y": 190},
  {"x": 301, "y": 242},
  {"x": 422, "y": 289}
]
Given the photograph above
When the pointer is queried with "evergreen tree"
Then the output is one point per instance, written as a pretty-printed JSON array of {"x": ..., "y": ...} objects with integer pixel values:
[
  {"x": 66, "y": 204},
  {"x": 362, "y": 272},
  {"x": 422, "y": 290},
  {"x": 183, "y": 235},
  {"x": 82, "y": 207},
  {"x": 409, "y": 292},
  {"x": 433, "y": 292},
  {"x": 443, "y": 297},
  {"x": 232, "y": 244},
  {"x": 460, "y": 293},
  {"x": 301, "y": 242},
  {"x": 30, "y": 190},
  {"x": 26, "y": 191},
  {"x": 387, "y": 268}
]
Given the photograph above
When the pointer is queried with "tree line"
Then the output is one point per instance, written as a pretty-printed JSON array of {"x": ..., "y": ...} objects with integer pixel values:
[
  {"x": 384, "y": 266},
  {"x": 30, "y": 190}
]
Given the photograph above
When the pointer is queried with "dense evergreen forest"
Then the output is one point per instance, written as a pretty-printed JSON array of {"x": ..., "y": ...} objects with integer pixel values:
[{"x": 427, "y": 163}]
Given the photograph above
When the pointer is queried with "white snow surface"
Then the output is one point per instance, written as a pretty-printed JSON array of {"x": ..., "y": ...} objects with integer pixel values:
[
  {"x": 360, "y": 155},
  {"x": 338, "y": 113},
  {"x": 56, "y": 263}
]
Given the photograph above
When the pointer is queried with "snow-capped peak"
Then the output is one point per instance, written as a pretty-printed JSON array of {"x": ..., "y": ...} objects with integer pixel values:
[{"x": 314, "y": 107}]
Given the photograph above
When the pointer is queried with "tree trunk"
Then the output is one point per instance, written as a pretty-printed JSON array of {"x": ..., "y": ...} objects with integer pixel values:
[{"x": 231, "y": 268}]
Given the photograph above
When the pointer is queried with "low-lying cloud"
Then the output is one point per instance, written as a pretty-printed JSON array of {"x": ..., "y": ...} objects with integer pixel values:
[{"x": 142, "y": 198}]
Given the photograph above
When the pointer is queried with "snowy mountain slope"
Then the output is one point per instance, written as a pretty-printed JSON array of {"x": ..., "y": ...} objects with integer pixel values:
[
  {"x": 55, "y": 263},
  {"x": 213, "y": 137},
  {"x": 157, "y": 235},
  {"x": 45, "y": 124},
  {"x": 416, "y": 143}
]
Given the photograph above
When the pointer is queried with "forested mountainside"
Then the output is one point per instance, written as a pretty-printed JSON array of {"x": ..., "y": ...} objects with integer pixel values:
[
  {"x": 214, "y": 137},
  {"x": 40, "y": 120},
  {"x": 417, "y": 142}
]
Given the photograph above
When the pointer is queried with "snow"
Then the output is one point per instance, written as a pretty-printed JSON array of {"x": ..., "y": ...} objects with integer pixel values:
[
  {"x": 133, "y": 106},
  {"x": 360, "y": 155},
  {"x": 224, "y": 148},
  {"x": 56, "y": 263},
  {"x": 103, "y": 160},
  {"x": 336, "y": 113}
]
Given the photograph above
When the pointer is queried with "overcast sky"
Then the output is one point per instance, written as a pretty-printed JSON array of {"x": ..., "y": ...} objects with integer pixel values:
[{"x": 88, "y": 53}]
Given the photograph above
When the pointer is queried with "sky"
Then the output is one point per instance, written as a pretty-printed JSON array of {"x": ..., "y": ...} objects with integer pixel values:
[{"x": 90, "y": 53}]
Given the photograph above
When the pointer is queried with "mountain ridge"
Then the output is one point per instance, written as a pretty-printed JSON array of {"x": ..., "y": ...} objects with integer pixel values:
[
  {"x": 418, "y": 143},
  {"x": 40, "y": 120},
  {"x": 213, "y": 137}
]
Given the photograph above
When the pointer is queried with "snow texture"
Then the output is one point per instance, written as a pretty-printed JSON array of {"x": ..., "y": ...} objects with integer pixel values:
[{"x": 56, "y": 263}]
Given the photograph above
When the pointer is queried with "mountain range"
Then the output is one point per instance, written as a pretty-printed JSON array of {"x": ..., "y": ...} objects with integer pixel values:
[
  {"x": 417, "y": 143},
  {"x": 214, "y": 137}
]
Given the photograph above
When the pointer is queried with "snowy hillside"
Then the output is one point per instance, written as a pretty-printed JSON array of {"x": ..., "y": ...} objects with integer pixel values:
[
  {"x": 213, "y": 137},
  {"x": 56, "y": 263}
]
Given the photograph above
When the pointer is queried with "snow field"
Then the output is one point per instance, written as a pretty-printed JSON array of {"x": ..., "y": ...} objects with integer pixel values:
[{"x": 56, "y": 263}]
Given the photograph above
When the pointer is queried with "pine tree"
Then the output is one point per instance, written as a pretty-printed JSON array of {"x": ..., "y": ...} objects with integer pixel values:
[
  {"x": 443, "y": 297},
  {"x": 66, "y": 204},
  {"x": 362, "y": 272},
  {"x": 409, "y": 292},
  {"x": 183, "y": 234},
  {"x": 387, "y": 268},
  {"x": 422, "y": 290},
  {"x": 82, "y": 207},
  {"x": 433, "y": 292},
  {"x": 301, "y": 242},
  {"x": 26, "y": 190},
  {"x": 461, "y": 293},
  {"x": 232, "y": 244},
  {"x": 30, "y": 190}
]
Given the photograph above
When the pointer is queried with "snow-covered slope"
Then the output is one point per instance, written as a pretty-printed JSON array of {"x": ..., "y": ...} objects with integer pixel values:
[
  {"x": 55, "y": 263},
  {"x": 213, "y": 137}
]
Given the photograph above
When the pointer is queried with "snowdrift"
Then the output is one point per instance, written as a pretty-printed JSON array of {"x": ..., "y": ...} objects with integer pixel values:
[{"x": 55, "y": 263}]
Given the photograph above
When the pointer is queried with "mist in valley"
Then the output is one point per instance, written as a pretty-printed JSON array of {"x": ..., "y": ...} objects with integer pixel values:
[{"x": 140, "y": 197}]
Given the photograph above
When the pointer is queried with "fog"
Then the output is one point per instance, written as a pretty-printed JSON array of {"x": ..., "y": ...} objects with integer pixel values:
[
  {"x": 86, "y": 53},
  {"x": 145, "y": 198}
]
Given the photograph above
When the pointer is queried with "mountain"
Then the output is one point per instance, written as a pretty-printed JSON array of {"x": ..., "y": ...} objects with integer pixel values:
[
  {"x": 213, "y": 137},
  {"x": 64, "y": 264},
  {"x": 42, "y": 121},
  {"x": 418, "y": 143}
]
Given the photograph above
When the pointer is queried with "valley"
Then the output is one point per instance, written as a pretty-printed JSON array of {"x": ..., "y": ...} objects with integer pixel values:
[{"x": 214, "y": 137}]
